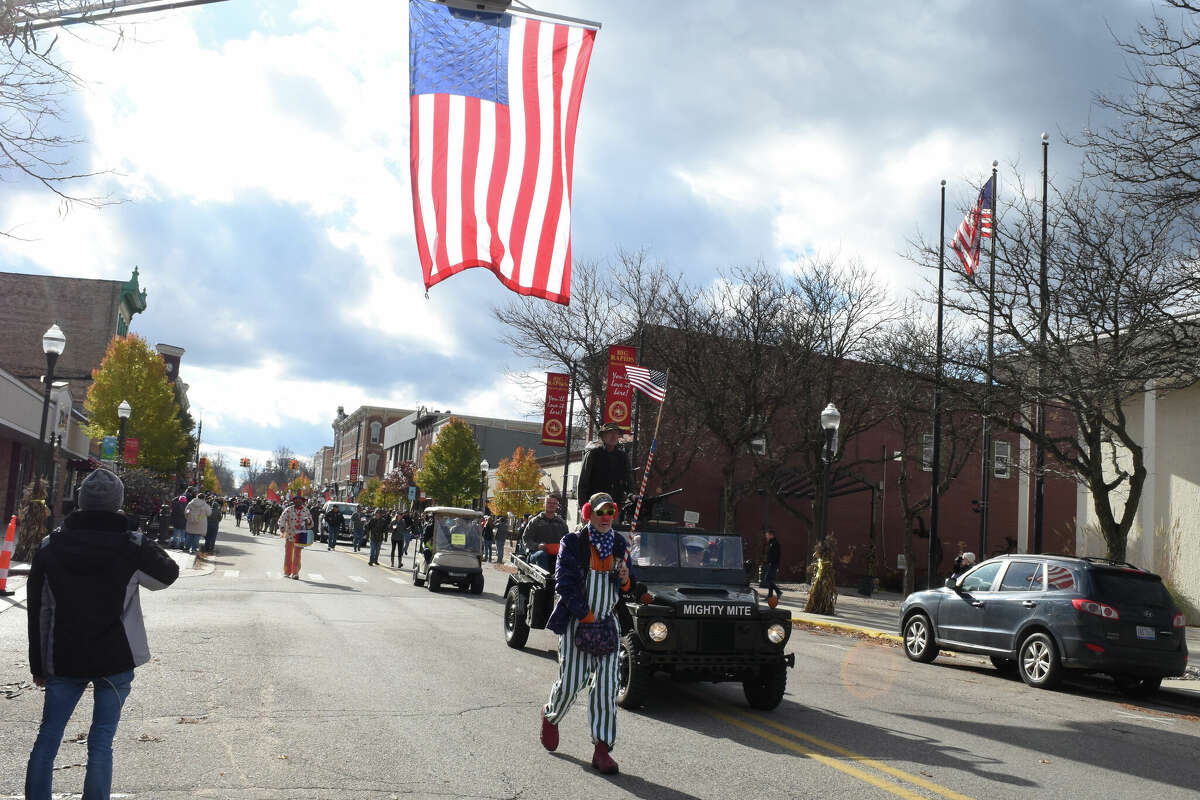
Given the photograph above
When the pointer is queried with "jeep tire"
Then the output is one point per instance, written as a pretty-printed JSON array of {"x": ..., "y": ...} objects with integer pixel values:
[
  {"x": 633, "y": 680},
  {"x": 764, "y": 691},
  {"x": 476, "y": 585},
  {"x": 516, "y": 631}
]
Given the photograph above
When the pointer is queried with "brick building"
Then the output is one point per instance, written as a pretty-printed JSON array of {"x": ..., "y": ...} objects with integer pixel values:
[{"x": 358, "y": 446}]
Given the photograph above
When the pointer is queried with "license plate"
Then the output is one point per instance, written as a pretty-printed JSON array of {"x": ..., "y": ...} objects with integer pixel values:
[{"x": 1146, "y": 632}]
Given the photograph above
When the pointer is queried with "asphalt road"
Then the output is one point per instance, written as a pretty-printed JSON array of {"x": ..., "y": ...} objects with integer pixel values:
[{"x": 352, "y": 683}]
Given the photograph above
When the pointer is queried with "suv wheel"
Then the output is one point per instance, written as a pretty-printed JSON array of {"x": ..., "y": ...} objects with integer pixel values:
[
  {"x": 1136, "y": 687},
  {"x": 476, "y": 585},
  {"x": 1037, "y": 662},
  {"x": 633, "y": 681},
  {"x": 516, "y": 631},
  {"x": 765, "y": 690},
  {"x": 918, "y": 639},
  {"x": 435, "y": 580}
]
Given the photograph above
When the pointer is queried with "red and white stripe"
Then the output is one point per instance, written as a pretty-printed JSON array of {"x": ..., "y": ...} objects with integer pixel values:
[{"x": 492, "y": 183}]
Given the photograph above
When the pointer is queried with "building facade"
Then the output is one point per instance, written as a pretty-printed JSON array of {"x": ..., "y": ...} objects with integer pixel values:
[
  {"x": 358, "y": 453},
  {"x": 322, "y": 462}
]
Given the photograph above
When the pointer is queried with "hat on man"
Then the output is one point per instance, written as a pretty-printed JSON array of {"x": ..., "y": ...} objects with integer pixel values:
[
  {"x": 101, "y": 491},
  {"x": 611, "y": 427}
]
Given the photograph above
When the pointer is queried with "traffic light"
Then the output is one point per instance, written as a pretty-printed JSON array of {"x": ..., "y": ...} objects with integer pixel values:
[
  {"x": 245, "y": 462},
  {"x": 293, "y": 464}
]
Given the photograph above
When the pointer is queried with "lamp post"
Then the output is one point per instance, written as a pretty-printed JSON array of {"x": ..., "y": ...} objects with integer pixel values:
[
  {"x": 831, "y": 418},
  {"x": 123, "y": 412},
  {"x": 484, "y": 466},
  {"x": 53, "y": 344}
]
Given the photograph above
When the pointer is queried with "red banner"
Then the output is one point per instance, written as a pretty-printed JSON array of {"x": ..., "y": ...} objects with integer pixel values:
[
  {"x": 353, "y": 470},
  {"x": 274, "y": 496},
  {"x": 619, "y": 395},
  {"x": 131, "y": 451},
  {"x": 247, "y": 490},
  {"x": 554, "y": 421}
]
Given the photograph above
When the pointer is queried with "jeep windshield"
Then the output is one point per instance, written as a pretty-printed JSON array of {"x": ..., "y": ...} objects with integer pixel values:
[{"x": 686, "y": 550}]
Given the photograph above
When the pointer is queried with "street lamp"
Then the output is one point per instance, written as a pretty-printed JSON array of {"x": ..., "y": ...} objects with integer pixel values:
[
  {"x": 123, "y": 412},
  {"x": 831, "y": 418},
  {"x": 483, "y": 471},
  {"x": 53, "y": 344}
]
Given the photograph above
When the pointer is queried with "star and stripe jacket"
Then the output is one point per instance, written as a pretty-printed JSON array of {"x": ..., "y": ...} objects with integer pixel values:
[{"x": 85, "y": 614}]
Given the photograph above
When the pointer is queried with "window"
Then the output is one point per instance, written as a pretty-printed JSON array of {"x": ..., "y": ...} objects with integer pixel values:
[
  {"x": 1060, "y": 578},
  {"x": 1022, "y": 576},
  {"x": 375, "y": 428},
  {"x": 927, "y": 453},
  {"x": 372, "y": 462},
  {"x": 980, "y": 579},
  {"x": 1001, "y": 458}
]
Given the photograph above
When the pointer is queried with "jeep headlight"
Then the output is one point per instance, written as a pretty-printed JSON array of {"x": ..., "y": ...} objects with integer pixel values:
[
  {"x": 657, "y": 631},
  {"x": 776, "y": 633}
]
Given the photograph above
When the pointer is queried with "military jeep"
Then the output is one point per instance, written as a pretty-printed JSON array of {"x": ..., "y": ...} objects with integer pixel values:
[{"x": 691, "y": 617}]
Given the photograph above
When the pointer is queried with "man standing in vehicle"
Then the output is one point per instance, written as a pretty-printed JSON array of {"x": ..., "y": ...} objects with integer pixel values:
[
  {"x": 543, "y": 533},
  {"x": 605, "y": 467}
]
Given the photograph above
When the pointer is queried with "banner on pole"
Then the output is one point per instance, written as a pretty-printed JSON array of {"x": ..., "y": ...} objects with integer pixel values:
[
  {"x": 108, "y": 448},
  {"x": 353, "y": 470},
  {"x": 131, "y": 451},
  {"x": 554, "y": 419},
  {"x": 618, "y": 396}
]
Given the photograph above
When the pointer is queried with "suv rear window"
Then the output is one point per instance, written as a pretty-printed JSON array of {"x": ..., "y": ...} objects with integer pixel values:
[{"x": 1113, "y": 587}]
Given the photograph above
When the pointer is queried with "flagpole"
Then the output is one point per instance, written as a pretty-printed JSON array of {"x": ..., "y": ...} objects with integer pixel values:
[
  {"x": 1039, "y": 479},
  {"x": 637, "y": 509},
  {"x": 570, "y": 423},
  {"x": 935, "y": 490},
  {"x": 985, "y": 488}
]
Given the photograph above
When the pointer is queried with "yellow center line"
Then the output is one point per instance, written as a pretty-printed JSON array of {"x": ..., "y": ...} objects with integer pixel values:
[
  {"x": 787, "y": 744},
  {"x": 870, "y": 762}
]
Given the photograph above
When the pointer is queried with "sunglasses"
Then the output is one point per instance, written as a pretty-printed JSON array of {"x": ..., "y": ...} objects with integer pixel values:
[{"x": 606, "y": 510}]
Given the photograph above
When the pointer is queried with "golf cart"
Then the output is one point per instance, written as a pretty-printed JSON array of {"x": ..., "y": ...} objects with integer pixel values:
[{"x": 451, "y": 549}]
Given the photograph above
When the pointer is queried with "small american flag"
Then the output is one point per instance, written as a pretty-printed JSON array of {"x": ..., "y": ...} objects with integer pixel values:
[
  {"x": 977, "y": 225},
  {"x": 650, "y": 382},
  {"x": 493, "y": 110}
]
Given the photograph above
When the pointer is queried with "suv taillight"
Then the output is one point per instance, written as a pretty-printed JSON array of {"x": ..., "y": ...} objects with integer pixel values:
[
  {"x": 1180, "y": 621},
  {"x": 1092, "y": 607}
]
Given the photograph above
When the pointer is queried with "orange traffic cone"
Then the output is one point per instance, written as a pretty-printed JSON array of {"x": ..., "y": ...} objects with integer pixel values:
[{"x": 6, "y": 555}]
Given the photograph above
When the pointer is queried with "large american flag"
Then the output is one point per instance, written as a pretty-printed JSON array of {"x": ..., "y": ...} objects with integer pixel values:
[
  {"x": 650, "y": 382},
  {"x": 494, "y": 107},
  {"x": 976, "y": 226}
]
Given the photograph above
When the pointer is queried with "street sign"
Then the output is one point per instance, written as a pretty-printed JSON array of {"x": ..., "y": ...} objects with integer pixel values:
[
  {"x": 131, "y": 451},
  {"x": 108, "y": 448},
  {"x": 412, "y": 493}
]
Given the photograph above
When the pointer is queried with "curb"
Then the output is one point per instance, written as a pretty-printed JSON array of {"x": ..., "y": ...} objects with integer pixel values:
[{"x": 846, "y": 627}]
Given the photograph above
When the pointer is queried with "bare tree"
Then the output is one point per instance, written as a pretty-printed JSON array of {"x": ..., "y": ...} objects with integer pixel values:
[{"x": 1121, "y": 321}]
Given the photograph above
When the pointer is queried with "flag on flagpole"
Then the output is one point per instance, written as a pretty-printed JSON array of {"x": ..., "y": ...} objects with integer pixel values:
[
  {"x": 975, "y": 227},
  {"x": 650, "y": 382},
  {"x": 494, "y": 104}
]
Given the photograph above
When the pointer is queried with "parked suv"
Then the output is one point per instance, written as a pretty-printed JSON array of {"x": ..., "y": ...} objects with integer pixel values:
[
  {"x": 1043, "y": 614},
  {"x": 347, "y": 510}
]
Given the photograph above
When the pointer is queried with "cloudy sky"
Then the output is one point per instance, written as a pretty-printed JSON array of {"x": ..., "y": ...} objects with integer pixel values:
[{"x": 260, "y": 152}]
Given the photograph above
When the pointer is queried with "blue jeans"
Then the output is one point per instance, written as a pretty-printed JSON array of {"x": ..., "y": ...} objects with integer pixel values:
[
  {"x": 540, "y": 558},
  {"x": 499, "y": 549},
  {"x": 191, "y": 542},
  {"x": 177, "y": 537},
  {"x": 487, "y": 550},
  {"x": 62, "y": 695},
  {"x": 375, "y": 545},
  {"x": 358, "y": 540}
]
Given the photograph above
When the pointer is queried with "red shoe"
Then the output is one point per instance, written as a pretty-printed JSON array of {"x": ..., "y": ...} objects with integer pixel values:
[
  {"x": 549, "y": 733},
  {"x": 602, "y": 761}
]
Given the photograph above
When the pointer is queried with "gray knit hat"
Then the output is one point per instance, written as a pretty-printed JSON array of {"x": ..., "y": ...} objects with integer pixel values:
[{"x": 101, "y": 491}]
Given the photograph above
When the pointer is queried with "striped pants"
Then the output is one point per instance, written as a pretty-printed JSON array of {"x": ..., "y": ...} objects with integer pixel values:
[{"x": 576, "y": 670}]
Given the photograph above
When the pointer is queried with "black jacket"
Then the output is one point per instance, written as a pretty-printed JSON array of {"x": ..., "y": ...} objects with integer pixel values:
[
  {"x": 178, "y": 517},
  {"x": 605, "y": 471},
  {"x": 773, "y": 553},
  {"x": 85, "y": 615}
]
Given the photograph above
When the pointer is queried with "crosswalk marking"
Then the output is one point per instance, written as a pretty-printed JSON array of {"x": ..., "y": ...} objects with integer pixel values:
[
  {"x": 232, "y": 573},
  {"x": 316, "y": 576},
  {"x": 400, "y": 581},
  {"x": 272, "y": 574},
  {"x": 358, "y": 578}
]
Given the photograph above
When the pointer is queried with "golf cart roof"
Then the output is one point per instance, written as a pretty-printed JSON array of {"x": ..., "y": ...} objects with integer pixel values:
[{"x": 460, "y": 512}]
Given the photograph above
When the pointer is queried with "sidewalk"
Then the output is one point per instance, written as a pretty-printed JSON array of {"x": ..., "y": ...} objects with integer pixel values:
[{"x": 878, "y": 617}]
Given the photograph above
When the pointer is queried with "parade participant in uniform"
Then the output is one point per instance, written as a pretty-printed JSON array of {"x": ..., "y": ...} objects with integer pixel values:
[
  {"x": 592, "y": 570},
  {"x": 605, "y": 467},
  {"x": 85, "y": 626},
  {"x": 274, "y": 511},
  {"x": 543, "y": 533},
  {"x": 292, "y": 520}
]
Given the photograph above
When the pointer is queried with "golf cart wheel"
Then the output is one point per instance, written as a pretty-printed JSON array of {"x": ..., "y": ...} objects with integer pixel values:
[
  {"x": 633, "y": 681},
  {"x": 918, "y": 639},
  {"x": 765, "y": 690},
  {"x": 1038, "y": 663},
  {"x": 477, "y": 584},
  {"x": 516, "y": 631},
  {"x": 435, "y": 581}
]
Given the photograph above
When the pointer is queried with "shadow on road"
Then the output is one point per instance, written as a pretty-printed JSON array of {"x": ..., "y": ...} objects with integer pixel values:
[{"x": 638, "y": 787}]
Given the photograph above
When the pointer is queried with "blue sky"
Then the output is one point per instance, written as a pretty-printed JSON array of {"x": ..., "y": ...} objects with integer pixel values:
[{"x": 260, "y": 153}]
